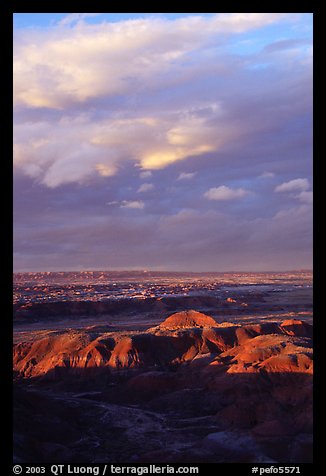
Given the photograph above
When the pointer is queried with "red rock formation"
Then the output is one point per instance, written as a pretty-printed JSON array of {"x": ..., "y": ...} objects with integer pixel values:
[
  {"x": 180, "y": 338},
  {"x": 236, "y": 393},
  {"x": 187, "y": 319},
  {"x": 295, "y": 327}
]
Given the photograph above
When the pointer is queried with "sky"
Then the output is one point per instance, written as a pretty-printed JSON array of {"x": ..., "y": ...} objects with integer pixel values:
[{"x": 162, "y": 141}]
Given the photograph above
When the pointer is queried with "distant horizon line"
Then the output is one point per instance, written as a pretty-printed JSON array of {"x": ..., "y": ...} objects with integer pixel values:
[{"x": 139, "y": 270}]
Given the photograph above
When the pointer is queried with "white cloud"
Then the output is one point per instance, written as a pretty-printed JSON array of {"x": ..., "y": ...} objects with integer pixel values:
[
  {"x": 294, "y": 212},
  {"x": 75, "y": 149},
  {"x": 132, "y": 204},
  {"x": 225, "y": 193},
  {"x": 145, "y": 187},
  {"x": 127, "y": 204},
  {"x": 76, "y": 66},
  {"x": 76, "y": 17},
  {"x": 299, "y": 184},
  {"x": 186, "y": 175},
  {"x": 305, "y": 196},
  {"x": 241, "y": 22},
  {"x": 75, "y": 61}
]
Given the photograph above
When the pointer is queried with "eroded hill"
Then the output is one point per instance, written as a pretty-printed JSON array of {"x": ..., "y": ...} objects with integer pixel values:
[{"x": 187, "y": 390}]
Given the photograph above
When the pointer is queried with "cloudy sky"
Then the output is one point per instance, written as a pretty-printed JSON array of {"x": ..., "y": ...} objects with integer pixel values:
[{"x": 163, "y": 141}]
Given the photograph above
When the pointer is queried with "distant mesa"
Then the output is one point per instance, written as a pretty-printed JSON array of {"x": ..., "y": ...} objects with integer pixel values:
[
  {"x": 188, "y": 319},
  {"x": 229, "y": 299}
]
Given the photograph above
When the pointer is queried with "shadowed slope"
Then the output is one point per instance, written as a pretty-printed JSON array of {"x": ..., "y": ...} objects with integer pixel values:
[
  {"x": 182, "y": 337},
  {"x": 184, "y": 391}
]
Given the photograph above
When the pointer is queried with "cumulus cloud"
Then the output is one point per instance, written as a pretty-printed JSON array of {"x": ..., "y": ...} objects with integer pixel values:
[
  {"x": 305, "y": 196},
  {"x": 75, "y": 63},
  {"x": 83, "y": 85},
  {"x": 299, "y": 184},
  {"x": 132, "y": 204},
  {"x": 186, "y": 175},
  {"x": 225, "y": 193},
  {"x": 74, "y": 149},
  {"x": 95, "y": 60},
  {"x": 103, "y": 110},
  {"x": 127, "y": 203}
]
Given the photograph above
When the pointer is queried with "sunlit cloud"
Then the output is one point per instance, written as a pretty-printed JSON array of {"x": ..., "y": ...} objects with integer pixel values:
[
  {"x": 105, "y": 170},
  {"x": 191, "y": 137},
  {"x": 75, "y": 61},
  {"x": 51, "y": 153},
  {"x": 75, "y": 65},
  {"x": 161, "y": 158},
  {"x": 206, "y": 118}
]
